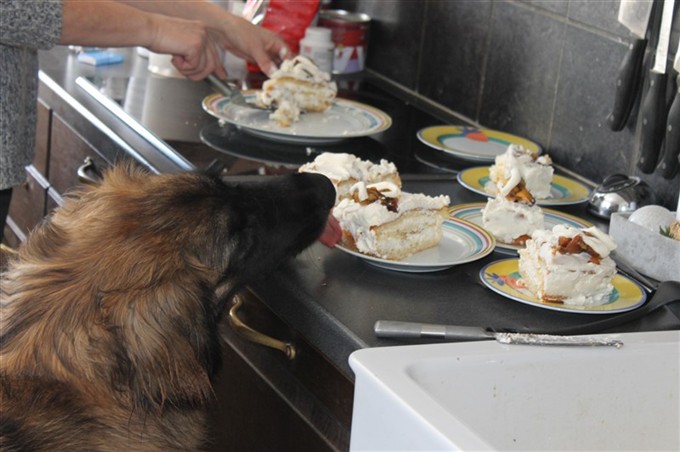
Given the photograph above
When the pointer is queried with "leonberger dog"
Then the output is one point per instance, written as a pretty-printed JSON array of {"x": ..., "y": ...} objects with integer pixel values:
[{"x": 110, "y": 310}]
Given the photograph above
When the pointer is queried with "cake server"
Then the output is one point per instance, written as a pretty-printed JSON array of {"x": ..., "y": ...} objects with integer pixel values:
[
  {"x": 653, "y": 107},
  {"x": 390, "y": 329},
  {"x": 231, "y": 91},
  {"x": 634, "y": 15}
]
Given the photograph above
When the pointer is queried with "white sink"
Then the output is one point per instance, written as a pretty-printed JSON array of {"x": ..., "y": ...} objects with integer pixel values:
[{"x": 485, "y": 395}]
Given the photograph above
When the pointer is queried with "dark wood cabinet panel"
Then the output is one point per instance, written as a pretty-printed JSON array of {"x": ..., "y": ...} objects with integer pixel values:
[
  {"x": 271, "y": 400},
  {"x": 42, "y": 138},
  {"x": 27, "y": 208},
  {"x": 68, "y": 151}
]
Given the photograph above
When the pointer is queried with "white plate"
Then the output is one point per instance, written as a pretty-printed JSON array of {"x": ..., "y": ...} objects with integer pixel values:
[
  {"x": 461, "y": 242},
  {"x": 472, "y": 143},
  {"x": 344, "y": 119},
  {"x": 563, "y": 190},
  {"x": 472, "y": 212},
  {"x": 503, "y": 277}
]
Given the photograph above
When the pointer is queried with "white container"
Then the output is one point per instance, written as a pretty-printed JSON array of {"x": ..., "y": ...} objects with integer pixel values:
[
  {"x": 651, "y": 253},
  {"x": 318, "y": 46}
]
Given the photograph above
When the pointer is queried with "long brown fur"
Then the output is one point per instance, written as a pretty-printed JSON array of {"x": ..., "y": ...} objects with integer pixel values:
[{"x": 108, "y": 327}]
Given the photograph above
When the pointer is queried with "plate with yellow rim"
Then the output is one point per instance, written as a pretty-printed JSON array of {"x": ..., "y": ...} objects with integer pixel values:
[
  {"x": 472, "y": 212},
  {"x": 461, "y": 242},
  {"x": 344, "y": 119},
  {"x": 503, "y": 278},
  {"x": 472, "y": 143},
  {"x": 563, "y": 190}
]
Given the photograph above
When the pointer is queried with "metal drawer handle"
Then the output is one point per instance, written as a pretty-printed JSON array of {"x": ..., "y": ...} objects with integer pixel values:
[
  {"x": 250, "y": 334},
  {"x": 88, "y": 172}
]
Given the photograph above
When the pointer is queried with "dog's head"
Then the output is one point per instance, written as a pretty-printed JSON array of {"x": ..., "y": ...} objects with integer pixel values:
[{"x": 157, "y": 226}]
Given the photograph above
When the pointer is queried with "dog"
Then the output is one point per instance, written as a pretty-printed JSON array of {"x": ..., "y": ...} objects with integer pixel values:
[{"x": 110, "y": 311}]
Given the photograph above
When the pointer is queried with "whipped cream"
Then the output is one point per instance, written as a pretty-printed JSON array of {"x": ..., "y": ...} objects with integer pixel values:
[
  {"x": 519, "y": 164},
  {"x": 360, "y": 220},
  {"x": 301, "y": 68},
  {"x": 297, "y": 86},
  {"x": 343, "y": 167},
  {"x": 576, "y": 279},
  {"x": 508, "y": 220}
]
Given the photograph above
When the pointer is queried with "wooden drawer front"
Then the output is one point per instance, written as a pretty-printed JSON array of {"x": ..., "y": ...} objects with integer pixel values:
[
  {"x": 306, "y": 390},
  {"x": 28, "y": 201},
  {"x": 68, "y": 151},
  {"x": 42, "y": 138}
]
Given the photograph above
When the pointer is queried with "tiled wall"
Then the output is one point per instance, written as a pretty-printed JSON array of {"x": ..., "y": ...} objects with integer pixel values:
[{"x": 536, "y": 68}]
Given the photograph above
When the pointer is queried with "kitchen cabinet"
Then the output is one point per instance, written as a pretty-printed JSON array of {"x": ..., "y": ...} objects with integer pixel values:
[
  {"x": 59, "y": 155},
  {"x": 266, "y": 401}
]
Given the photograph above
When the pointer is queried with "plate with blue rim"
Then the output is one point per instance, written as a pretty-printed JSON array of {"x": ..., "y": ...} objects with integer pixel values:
[
  {"x": 344, "y": 119},
  {"x": 461, "y": 242}
]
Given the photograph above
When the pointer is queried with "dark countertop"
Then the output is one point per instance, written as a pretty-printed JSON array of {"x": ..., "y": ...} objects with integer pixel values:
[{"x": 331, "y": 298}]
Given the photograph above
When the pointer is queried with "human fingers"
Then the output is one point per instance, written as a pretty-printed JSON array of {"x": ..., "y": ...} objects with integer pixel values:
[{"x": 195, "y": 55}]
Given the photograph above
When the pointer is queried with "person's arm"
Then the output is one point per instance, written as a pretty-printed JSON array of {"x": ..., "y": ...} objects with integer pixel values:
[
  {"x": 232, "y": 33},
  {"x": 113, "y": 24}
]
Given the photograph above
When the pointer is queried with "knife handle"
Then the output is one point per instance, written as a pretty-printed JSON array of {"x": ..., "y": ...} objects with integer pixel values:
[
  {"x": 627, "y": 83},
  {"x": 670, "y": 161},
  {"x": 653, "y": 110},
  {"x": 390, "y": 329}
]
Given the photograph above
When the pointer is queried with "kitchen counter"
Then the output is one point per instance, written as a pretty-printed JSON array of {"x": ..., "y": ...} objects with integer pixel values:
[{"x": 330, "y": 298}]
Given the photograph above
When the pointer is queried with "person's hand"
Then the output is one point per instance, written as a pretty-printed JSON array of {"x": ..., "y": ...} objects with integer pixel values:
[
  {"x": 194, "y": 52},
  {"x": 253, "y": 43}
]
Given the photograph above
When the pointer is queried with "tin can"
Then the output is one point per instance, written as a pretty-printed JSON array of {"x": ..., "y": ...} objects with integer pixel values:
[{"x": 349, "y": 33}]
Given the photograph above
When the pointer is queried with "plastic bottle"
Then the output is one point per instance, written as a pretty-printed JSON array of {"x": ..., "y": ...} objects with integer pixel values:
[{"x": 318, "y": 46}]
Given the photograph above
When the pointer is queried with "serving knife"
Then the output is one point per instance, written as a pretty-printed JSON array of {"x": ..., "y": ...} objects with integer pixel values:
[
  {"x": 670, "y": 160},
  {"x": 654, "y": 104},
  {"x": 634, "y": 15},
  {"x": 390, "y": 329}
]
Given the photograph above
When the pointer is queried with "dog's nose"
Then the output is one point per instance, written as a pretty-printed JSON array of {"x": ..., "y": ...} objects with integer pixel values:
[{"x": 323, "y": 188}]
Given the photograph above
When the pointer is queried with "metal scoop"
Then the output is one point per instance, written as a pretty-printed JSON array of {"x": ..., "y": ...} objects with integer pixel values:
[{"x": 234, "y": 94}]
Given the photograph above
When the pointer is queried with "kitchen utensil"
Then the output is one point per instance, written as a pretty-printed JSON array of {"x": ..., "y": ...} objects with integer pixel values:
[
  {"x": 654, "y": 104},
  {"x": 634, "y": 15},
  {"x": 670, "y": 160},
  {"x": 667, "y": 293},
  {"x": 231, "y": 91},
  {"x": 620, "y": 193},
  {"x": 389, "y": 329}
]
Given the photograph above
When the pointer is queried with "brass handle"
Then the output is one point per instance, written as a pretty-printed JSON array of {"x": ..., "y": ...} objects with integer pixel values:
[
  {"x": 88, "y": 172},
  {"x": 250, "y": 334}
]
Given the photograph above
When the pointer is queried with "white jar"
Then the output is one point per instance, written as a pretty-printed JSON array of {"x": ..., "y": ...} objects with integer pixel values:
[{"x": 318, "y": 46}]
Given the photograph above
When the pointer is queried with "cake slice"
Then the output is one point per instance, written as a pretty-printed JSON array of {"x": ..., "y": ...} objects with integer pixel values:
[
  {"x": 519, "y": 167},
  {"x": 297, "y": 86},
  {"x": 568, "y": 265},
  {"x": 382, "y": 221},
  {"x": 511, "y": 222},
  {"x": 345, "y": 170}
]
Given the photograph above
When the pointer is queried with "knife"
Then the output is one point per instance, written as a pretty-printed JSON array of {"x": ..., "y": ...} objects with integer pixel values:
[
  {"x": 390, "y": 329},
  {"x": 634, "y": 15},
  {"x": 654, "y": 104},
  {"x": 670, "y": 161}
]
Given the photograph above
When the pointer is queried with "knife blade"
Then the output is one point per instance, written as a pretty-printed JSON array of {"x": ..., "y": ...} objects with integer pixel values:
[
  {"x": 634, "y": 15},
  {"x": 390, "y": 329},
  {"x": 670, "y": 160},
  {"x": 653, "y": 107}
]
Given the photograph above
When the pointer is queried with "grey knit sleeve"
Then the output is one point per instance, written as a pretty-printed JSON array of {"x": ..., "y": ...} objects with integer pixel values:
[{"x": 30, "y": 23}]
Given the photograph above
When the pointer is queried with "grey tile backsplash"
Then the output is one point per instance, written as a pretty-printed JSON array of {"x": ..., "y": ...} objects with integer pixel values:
[{"x": 541, "y": 69}]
